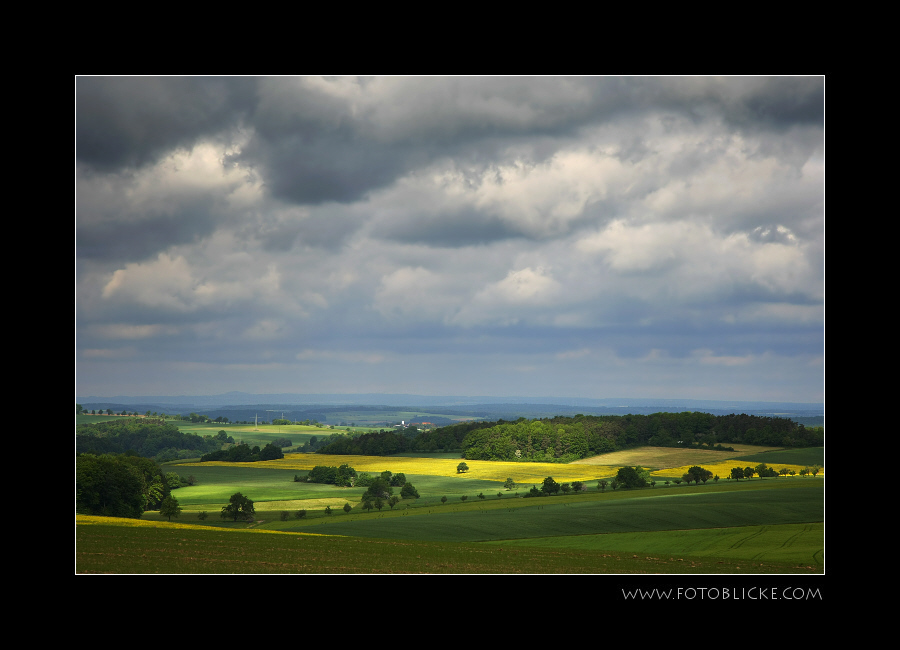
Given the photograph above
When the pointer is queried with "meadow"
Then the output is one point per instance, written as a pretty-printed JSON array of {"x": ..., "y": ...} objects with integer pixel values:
[{"x": 768, "y": 525}]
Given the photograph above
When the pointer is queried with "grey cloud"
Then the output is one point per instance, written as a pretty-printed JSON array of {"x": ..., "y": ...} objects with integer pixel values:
[
  {"x": 448, "y": 230},
  {"x": 131, "y": 121}
]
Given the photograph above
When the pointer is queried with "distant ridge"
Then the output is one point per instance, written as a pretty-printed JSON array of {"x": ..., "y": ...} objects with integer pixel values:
[{"x": 235, "y": 398}]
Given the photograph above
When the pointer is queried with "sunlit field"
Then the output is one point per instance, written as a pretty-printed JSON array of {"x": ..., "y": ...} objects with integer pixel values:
[{"x": 486, "y": 470}]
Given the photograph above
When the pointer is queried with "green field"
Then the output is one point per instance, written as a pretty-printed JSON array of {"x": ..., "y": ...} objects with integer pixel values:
[{"x": 771, "y": 525}]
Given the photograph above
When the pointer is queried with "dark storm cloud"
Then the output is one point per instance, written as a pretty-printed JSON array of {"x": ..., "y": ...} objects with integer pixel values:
[
  {"x": 452, "y": 230},
  {"x": 146, "y": 234},
  {"x": 402, "y": 234},
  {"x": 132, "y": 121}
]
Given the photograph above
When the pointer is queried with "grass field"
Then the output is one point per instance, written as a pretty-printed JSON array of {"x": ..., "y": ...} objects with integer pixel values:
[
  {"x": 108, "y": 545},
  {"x": 771, "y": 525}
]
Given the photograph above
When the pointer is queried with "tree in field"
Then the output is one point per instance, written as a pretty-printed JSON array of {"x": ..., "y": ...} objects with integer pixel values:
[
  {"x": 631, "y": 477},
  {"x": 550, "y": 486},
  {"x": 601, "y": 485},
  {"x": 481, "y": 495},
  {"x": 169, "y": 507},
  {"x": 700, "y": 474},
  {"x": 239, "y": 507},
  {"x": 394, "y": 500},
  {"x": 328, "y": 510},
  {"x": 202, "y": 515},
  {"x": 443, "y": 500},
  {"x": 737, "y": 473},
  {"x": 409, "y": 491},
  {"x": 348, "y": 507},
  {"x": 749, "y": 472},
  {"x": 462, "y": 467},
  {"x": 300, "y": 514},
  {"x": 464, "y": 497},
  {"x": 815, "y": 469},
  {"x": 367, "y": 505},
  {"x": 509, "y": 484}
]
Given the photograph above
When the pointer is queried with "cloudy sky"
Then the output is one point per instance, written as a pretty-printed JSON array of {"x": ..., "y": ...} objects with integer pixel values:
[{"x": 520, "y": 236}]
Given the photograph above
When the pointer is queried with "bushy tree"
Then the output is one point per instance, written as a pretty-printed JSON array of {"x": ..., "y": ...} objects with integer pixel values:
[
  {"x": 169, "y": 507},
  {"x": 380, "y": 488},
  {"x": 699, "y": 474},
  {"x": 550, "y": 486},
  {"x": 509, "y": 484},
  {"x": 271, "y": 452},
  {"x": 408, "y": 491},
  {"x": 462, "y": 467},
  {"x": 631, "y": 477},
  {"x": 239, "y": 507}
]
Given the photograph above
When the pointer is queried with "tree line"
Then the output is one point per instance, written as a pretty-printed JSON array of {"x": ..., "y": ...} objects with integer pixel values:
[
  {"x": 563, "y": 439},
  {"x": 148, "y": 438}
]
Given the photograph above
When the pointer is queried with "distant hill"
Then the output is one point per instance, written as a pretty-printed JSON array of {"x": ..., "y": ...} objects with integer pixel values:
[{"x": 243, "y": 406}]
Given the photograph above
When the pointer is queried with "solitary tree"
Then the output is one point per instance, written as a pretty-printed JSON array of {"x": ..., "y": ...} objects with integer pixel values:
[
  {"x": 509, "y": 484},
  {"x": 462, "y": 467},
  {"x": 348, "y": 507},
  {"x": 550, "y": 486},
  {"x": 239, "y": 507},
  {"x": 443, "y": 500},
  {"x": 169, "y": 507}
]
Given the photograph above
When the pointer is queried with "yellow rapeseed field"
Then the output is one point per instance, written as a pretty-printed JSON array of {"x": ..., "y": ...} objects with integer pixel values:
[
  {"x": 487, "y": 470},
  {"x": 723, "y": 469}
]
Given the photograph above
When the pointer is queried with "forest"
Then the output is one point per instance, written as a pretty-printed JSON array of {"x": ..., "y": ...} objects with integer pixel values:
[{"x": 563, "y": 439}]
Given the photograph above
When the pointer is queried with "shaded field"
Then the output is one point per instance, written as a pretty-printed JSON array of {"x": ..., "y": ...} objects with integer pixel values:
[
  {"x": 658, "y": 458},
  {"x": 802, "y": 545},
  {"x": 134, "y": 547},
  {"x": 798, "y": 457},
  {"x": 698, "y": 507}
]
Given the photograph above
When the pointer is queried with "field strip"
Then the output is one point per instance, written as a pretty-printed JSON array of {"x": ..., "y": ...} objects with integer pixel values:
[
  {"x": 478, "y": 469},
  {"x": 90, "y": 520}
]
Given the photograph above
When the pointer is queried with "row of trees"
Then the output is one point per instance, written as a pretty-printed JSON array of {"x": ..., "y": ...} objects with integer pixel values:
[{"x": 243, "y": 453}]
